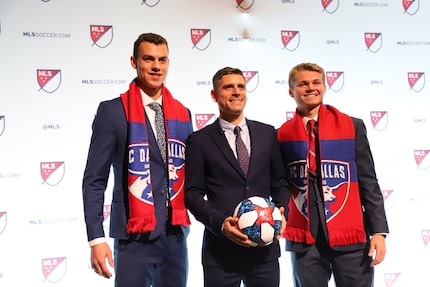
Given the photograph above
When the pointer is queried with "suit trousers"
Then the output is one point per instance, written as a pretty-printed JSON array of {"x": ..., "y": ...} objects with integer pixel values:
[
  {"x": 160, "y": 262},
  {"x": 313, "y": 267}
]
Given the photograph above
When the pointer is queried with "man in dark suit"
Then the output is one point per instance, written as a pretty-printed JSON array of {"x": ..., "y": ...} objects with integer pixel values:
[
  {"x": 336, "y": 222},
  {"x": 216, "y": 183},
  {"x": 148, "y": 220}
]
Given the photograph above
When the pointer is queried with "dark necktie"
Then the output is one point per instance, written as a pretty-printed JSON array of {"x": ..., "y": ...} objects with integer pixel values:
[
  {"x": 312, "y": 160},
  {"x": 242, "y": 152},
  {"x": 159, "y": 128}
]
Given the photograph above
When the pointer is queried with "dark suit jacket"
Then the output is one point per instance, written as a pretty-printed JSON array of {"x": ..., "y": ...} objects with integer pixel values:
[
  {"x": 108, "y": 148},
  {"x": 372, "y": 201},
  {"x": 215, "y": 184}
]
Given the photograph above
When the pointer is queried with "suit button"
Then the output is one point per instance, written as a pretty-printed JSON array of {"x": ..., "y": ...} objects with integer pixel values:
[{"x": 246, "y": 187}]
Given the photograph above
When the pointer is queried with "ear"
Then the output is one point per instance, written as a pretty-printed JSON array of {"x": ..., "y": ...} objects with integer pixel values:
[
  {"x": 214, "y": 96},
  {"x": 290, "y": 91},
  {"x": 133, "y": 62}
]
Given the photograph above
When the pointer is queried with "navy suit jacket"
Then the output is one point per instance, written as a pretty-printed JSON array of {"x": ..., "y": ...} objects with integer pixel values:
[
  {"x": 108, "y": 148},
  {"x": 215, "y": 184}
]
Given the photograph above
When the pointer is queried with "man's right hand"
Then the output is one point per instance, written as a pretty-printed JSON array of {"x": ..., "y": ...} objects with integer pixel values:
[{"x": 99, "y": 253}]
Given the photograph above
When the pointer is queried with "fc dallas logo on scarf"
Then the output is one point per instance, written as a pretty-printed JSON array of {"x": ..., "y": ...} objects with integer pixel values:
[{"x": 336, "y": 186}]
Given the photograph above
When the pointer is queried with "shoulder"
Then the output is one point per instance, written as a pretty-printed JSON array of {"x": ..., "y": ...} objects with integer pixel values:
[{"x": 259, "y": 125}]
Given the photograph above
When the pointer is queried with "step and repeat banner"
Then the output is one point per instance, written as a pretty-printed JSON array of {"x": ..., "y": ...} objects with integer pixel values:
[{"x": 59, "y": 59}]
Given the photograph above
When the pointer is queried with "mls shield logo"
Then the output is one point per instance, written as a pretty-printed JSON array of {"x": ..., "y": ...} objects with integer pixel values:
[
  {"x": 416, "y": 81},
  {"x": 150, "y": 3},
  {"x": 101, "y": 35},
  {"x": 411, "y": 7},
  {"x": 379, "y": 120},
  {"x": 252, "y": 80},
  {"x": 425, "y": 234},
  {"x": 421, "y": 158},
  {"x": 3, "y": 221},
  {"x": 330, "y": 6},
  {"x": 106, "y": 215},
  {"x": 52, "y": 172},
  {"x": 244, "y": 4},
  {"x": 54, "y": 269},
  {"x": 48, "y": 80},
  {"x": 201, "y": 38},
  {"x": 388, "y": 196},
  {"x": 335, "y": 80},
  {"x": 373, "y": 41},
  {"x": 290, "y": 40},
  {"x": 2, "y": 124},
  {"x": 203, "y": 120},
  {"x": 290, "y": 115},
  {"x": 390, "y": 278}
]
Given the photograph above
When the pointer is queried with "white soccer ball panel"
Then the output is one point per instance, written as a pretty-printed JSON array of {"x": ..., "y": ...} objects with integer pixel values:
[
  {"x": 260, "y": 201},
  {"x": 276, "y": 214},
  {"x": 247, "y": 219},
  {"x": 267, "y": 232}
]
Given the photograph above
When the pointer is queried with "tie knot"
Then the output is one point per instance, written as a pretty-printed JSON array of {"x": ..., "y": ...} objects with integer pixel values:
[
  {"x": 237, "y": 130},
  {"x": 310, "y": 125},
  {"x": 155, "y": 106}
]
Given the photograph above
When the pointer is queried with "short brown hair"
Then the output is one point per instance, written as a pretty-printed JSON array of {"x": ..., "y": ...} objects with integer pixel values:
[
  {"x": 151, "y": 38},
  {"x": 304, "y": 67},
  {"x": 225, "y": 71}
]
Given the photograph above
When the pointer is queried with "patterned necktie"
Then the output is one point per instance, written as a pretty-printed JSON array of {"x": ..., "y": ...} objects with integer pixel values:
[
  {"x": 312, "y": 161},
  {"x": 159, "y": 128},
  {"x": 242, "y": 152}
]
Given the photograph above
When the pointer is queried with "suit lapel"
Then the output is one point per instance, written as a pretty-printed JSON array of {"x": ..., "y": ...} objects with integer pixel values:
[{"x": 221, "y": 142}]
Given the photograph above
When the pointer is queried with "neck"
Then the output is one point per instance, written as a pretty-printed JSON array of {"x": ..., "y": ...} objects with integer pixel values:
[{"x": 234, "y": 120}]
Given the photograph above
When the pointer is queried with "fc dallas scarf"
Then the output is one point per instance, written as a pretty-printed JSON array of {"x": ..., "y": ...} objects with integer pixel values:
[
  {"x": 178, "y": 127},
  {"x": 338, "y": 174}
]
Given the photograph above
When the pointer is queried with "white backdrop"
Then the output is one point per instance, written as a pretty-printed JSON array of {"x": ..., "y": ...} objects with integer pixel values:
[{"x": 59, "y": 59}]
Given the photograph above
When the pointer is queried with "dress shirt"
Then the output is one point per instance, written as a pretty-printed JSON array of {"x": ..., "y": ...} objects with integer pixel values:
[{"x": 228, "y": 130}]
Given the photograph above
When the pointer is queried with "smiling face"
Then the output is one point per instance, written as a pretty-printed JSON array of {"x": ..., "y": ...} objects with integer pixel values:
[
  {"x": 151, "y": 64},
  {"x": 230, "y": 94},
  {"x": 308, "y": 89}
]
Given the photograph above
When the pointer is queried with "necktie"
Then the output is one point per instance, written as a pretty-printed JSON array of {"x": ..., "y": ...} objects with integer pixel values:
[
  {"x": 159, "y": 128},
  {"x": 312, "y": 161},
  {"x": 242, "y": 152}
]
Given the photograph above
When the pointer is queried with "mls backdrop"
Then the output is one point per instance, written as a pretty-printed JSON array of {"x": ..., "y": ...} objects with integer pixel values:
[{"x": 59, "y": 59}]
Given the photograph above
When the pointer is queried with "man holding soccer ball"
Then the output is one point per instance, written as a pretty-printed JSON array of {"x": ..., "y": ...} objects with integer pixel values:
[{"x": 218, "y": 179}]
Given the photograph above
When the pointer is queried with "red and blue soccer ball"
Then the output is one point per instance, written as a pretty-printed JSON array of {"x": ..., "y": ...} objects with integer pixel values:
[{"x": 259, "y": 219}]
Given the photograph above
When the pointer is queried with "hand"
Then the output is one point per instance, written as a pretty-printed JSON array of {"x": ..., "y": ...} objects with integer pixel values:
[
  {"x": 284, "y": 223},
  {"x": 230, "y": 230},
  {"x": 377, "y": 249},
  {"x": 99, "y": 253}
]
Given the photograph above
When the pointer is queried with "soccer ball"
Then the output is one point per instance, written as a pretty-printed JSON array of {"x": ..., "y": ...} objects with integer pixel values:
[{"x": 259, "y": 219}]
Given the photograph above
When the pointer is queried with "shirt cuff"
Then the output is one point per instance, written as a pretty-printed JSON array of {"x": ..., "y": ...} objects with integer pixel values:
[{"x": 97, "y": 241}]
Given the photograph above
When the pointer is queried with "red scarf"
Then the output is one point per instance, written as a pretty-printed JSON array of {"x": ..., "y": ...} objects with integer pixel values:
[
  {"x": 178, "y": 128},
  {"x": 341, "y": 196}
]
